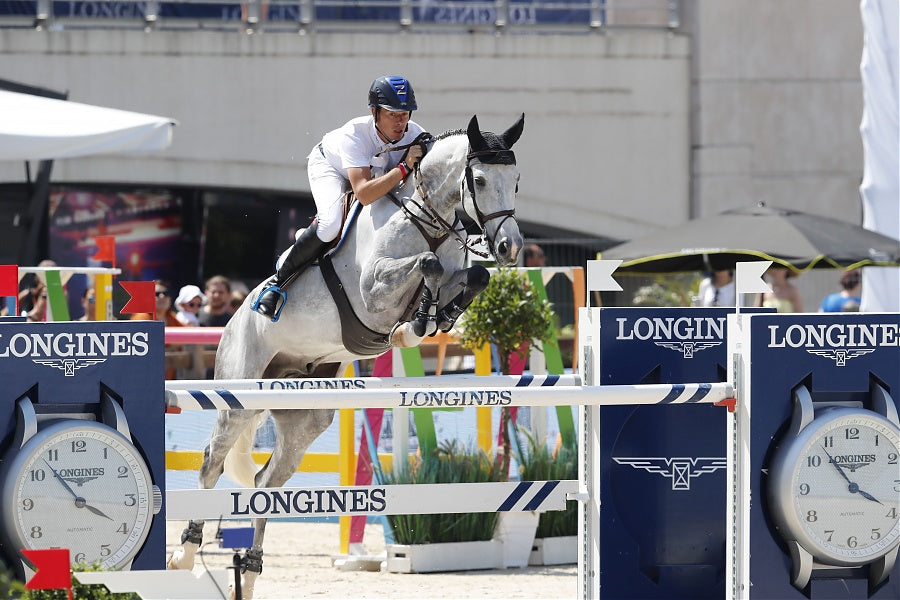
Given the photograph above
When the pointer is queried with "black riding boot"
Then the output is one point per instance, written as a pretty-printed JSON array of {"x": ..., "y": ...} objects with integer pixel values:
[{"x": 304, "y": 251}]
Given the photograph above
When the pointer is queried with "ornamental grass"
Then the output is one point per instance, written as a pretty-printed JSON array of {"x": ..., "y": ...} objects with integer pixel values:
[
  {"x": 537, "y": 462},
  {"x": 448, "y": 464}
]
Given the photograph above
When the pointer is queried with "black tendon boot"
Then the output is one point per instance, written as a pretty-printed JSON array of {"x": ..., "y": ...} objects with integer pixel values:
[{"x": 304, "y": 251}]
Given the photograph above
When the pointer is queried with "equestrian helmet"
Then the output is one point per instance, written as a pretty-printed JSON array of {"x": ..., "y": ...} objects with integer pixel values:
[{"x": 393, "y": 93}]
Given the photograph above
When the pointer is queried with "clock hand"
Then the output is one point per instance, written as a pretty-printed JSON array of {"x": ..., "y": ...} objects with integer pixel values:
[
  {"x": 61, "y": 480},
  {"x": 79, "y": 501},
  {"x": 837, "y": 466},
  {"x": 97, "y": 511},
  {"x": 854, "y": 488},
  {"x": 868, "y": 496}
]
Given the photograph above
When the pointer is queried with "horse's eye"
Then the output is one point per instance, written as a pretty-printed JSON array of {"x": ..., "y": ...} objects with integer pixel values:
[{"x": 480, "y": 180}]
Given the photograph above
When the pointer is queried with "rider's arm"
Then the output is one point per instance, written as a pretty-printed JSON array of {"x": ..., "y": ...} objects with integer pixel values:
[{"x": 369, "y": 190}]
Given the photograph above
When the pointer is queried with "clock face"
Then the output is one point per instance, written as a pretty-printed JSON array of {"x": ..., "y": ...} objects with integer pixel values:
[
  {"x": 836, "y": 487},
  {"x": 79, "y": 485}
]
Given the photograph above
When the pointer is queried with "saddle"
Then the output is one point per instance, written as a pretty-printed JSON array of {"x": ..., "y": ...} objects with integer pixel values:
[{"x": 356, "y": 336}]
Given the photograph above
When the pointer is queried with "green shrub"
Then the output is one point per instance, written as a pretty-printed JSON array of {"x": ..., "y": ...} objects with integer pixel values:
[{"x": 448, "y": 464}]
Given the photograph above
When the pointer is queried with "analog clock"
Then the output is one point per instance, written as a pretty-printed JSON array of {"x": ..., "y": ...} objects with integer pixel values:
[
  {"x": 834, "y": 487},
  {"x": 80, "y": 485}
]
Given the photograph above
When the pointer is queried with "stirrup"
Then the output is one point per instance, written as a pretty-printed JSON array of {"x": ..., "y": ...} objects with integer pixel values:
[{"x": 274, "y": 288}]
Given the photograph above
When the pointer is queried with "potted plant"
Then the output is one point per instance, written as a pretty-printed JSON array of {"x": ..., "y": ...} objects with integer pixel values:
[
  {"x": 445, "y": 542},
  {"x": 556, "y": 539},
  {"x": 511, "y": 315}
]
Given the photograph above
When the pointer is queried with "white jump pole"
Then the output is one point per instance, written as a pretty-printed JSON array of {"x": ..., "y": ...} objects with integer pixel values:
[
  {"x": 421, "y": 498},
  {"x": 343, "y": 383},
  {"x": 177, "y": 400}
]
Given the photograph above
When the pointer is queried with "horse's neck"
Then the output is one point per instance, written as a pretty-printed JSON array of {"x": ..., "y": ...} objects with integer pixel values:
[{"x": 441, "y": 172}]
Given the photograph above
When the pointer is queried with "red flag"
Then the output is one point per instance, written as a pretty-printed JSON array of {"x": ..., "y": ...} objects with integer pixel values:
[
  {"x": 106, "y": 248},
  {"x": 143, "y": 297},
  {"x": 9, "y": 280},
  {"x": 52, "y": 569}
]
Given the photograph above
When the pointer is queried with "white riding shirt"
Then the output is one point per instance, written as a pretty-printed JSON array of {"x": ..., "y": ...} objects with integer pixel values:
[{"x": 355, "y": 144}]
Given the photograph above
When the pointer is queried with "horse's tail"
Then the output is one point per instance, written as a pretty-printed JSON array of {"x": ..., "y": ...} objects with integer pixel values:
[{"x": 239, "y": 463}]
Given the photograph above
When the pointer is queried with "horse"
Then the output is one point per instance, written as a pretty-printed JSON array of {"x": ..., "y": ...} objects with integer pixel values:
[{"x": 394, "y": 269}]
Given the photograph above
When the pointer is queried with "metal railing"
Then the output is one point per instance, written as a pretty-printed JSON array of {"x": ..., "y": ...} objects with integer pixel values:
[{"x": 452, "y": 16}]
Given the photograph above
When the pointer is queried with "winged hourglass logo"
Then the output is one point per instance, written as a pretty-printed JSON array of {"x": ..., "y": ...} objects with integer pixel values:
[
  {"x": 680, "y": 470},
  {"x": 68, "y": 365}
]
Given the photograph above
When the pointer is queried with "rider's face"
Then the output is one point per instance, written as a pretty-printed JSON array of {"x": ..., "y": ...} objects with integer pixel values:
[{"x": 391, "y": 123}]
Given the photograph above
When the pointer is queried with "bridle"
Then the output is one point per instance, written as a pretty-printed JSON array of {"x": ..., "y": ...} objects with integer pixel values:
[
  {"x": 433, "y": 227},
  {"x": 495, "y": 157}
]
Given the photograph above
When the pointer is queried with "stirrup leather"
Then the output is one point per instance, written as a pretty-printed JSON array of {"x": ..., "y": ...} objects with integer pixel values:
[{"x": 275, "y": 289}]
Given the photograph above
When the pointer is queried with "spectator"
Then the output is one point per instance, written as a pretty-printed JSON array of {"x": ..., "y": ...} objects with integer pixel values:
[
  {"x": 237, "y": 298},
  {"x": 717, "y": 289},
  {"x": 37, "y": 301},
  {"x": 216, "y": 313},
  {"x": 848, "y": 299},
  {"x": 533, "y": 256},
  {"x": 190, "y": 300},
  {"x": 165, "y": 314},
  {"x": 27, "y": 286},
  {"x": 88, "y": 302},
  {"x": 784, "y": 297}
]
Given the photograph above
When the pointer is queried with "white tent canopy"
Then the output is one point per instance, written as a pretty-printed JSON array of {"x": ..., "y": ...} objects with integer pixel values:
[{"x": 38, "y": 128}]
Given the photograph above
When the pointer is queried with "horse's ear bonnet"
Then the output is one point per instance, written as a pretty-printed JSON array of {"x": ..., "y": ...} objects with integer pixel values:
[{"x": 493, "y": 149}]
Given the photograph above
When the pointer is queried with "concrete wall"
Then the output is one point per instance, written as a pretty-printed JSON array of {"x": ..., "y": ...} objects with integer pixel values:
[
  {"x": 606, "y": 133},
  {"x": 626, "y": 132},
  {"x": 777, "y": 103}
]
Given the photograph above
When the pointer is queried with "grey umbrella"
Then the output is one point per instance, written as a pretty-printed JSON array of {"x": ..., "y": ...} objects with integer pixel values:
[{"x": 792, "y": 238}]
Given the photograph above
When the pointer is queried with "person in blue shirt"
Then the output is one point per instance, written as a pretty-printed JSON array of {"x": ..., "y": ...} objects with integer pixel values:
[{"x": 848, "y": 299}]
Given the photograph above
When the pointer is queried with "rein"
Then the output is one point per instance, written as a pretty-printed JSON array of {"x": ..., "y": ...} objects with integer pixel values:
[{"x": 441, "y": 227}]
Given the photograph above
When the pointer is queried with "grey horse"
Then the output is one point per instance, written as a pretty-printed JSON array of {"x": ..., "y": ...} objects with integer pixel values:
[{"x": 411, "y": 237}]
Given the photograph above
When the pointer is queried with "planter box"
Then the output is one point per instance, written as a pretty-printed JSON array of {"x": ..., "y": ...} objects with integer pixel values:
[
  {"x": 516, "y": 530},
  {"x": 562, "y": 550},
  {"x": 451, "y": 556}
]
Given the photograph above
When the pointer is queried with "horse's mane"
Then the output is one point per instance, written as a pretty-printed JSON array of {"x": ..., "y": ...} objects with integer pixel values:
[{"x": 449, "y": 133}]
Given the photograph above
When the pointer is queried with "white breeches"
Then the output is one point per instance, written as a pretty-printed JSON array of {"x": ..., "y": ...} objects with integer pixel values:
[{"x": 328, "y": 187}]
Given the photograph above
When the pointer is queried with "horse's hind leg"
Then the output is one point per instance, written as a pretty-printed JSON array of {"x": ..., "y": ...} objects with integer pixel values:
[
  {"x": 229, "y": 426},
  {"x": 297, "y": 429}
]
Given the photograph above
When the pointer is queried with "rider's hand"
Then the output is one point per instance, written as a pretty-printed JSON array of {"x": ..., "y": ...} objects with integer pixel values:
[{"x": 413, "y": 155}]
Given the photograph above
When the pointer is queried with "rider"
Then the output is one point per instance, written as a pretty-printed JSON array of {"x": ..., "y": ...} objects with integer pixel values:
[{"x": 354, "y": 154}]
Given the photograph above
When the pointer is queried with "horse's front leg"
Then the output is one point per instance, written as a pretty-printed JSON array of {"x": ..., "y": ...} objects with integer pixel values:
[
  {"x": 390, "y": 276},
  {"x": 472, "y": 282},
  {"x": 229, "y": 426}
]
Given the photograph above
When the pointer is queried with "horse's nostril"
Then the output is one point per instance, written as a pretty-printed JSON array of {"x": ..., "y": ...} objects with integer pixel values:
[{"x": 503, "y": 247}]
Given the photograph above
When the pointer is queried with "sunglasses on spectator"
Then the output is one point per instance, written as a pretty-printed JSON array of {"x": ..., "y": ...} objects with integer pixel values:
[
  {"x": 161, "y": 294},
  {"x": 193, "y": 304}
]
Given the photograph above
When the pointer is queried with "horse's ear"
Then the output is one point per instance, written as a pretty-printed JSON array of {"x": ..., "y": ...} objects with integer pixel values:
[
  {"x": 511, "y": 135},
  {"x": 476, "y": 140}
]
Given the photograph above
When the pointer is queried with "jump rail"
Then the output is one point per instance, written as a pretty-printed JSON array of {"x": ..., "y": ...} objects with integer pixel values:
[
  {"x": 210, "y": 398},
  {"x": 342, "y": 383},
  {"x": 274, "y": 503}
]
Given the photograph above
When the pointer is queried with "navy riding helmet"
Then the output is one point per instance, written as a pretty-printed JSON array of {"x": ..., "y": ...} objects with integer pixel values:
[{"x": 392, "y": 92}]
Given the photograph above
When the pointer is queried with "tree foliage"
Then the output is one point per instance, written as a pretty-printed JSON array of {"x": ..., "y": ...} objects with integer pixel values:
[{"x": 509, "y": 313}]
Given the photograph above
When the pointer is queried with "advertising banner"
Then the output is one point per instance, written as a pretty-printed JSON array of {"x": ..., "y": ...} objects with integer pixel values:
[
  {"x": 73, "y": 370},
  {"x": 663, "y": 468},
  {"x": 824, "y": 470}
]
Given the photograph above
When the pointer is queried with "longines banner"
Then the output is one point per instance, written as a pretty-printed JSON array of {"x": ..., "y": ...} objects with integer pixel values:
[
  {"x": 62, "y": 368},
  {"x": 835, "y": 376},
  {"x": 663, "y": 468}
]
